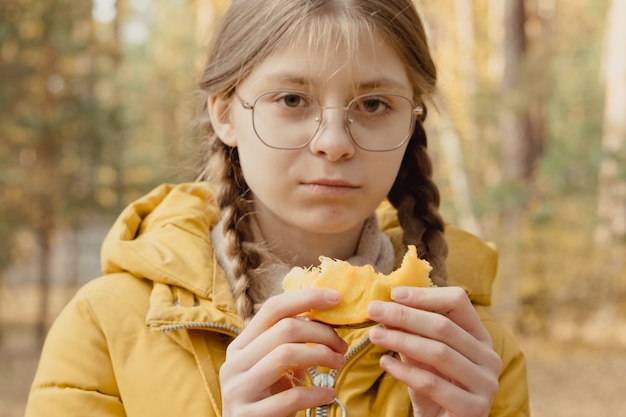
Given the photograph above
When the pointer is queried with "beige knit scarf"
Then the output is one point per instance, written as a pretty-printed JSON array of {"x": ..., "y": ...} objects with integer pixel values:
[{"x": 374, "y": 248}]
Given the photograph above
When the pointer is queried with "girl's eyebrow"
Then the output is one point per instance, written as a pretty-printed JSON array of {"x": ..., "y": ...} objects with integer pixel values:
[
  {"x": 386, "y": 83},
  {"x": 288, "y": 78},
  {"x": 299, "y": 81}
]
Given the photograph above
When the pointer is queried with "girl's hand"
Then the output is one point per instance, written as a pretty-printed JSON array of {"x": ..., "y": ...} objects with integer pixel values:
[
  {"x": 266, "y": 364},
  {"x": 446, "y": 355}
]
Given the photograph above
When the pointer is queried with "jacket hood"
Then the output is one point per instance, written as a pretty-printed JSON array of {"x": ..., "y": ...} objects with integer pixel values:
[{"x": 164, "y": 237}]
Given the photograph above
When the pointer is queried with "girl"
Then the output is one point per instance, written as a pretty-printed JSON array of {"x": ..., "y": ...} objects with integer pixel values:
[{"x": 315, "y": 147}]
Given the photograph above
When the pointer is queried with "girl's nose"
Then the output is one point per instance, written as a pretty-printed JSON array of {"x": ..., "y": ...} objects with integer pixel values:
[{"x": 332, "y": 139}]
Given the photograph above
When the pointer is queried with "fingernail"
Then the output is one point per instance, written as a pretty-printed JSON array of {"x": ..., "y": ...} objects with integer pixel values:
[
  {"x": 375, "y": 310},
  {"x": 330, "y": 393},
  {"x": 377, "y": 334},
  {"x": 400, "y": 293},
  {"x": 387, "y": 362},
  {"x": 344, "y": 347},
  {"x": 333, "y": 296}
]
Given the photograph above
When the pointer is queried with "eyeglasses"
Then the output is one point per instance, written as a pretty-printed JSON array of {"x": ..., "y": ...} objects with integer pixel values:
[{"x": 289, "y": 119}]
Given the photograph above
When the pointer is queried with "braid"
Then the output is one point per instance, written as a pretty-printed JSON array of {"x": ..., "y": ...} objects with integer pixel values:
[
  {"x": 416, "y": 197},
  {"x": 225, "y": 172}
]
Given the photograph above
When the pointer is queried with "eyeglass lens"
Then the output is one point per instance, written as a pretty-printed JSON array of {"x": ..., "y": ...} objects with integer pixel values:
[{"x": 289, "y": 119}]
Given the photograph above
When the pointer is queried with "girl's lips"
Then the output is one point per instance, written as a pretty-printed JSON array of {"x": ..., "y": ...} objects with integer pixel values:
[
  {"x": 330, "y": 188},
  {"x": 332, "y": 183}
]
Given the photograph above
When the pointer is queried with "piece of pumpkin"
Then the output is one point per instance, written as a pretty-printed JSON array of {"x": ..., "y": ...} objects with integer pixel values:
[{"x": 358, "y": 285}]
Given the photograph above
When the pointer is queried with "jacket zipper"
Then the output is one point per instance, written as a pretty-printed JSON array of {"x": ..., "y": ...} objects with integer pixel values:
[
  {"x": 328, "y": 380},
  {"x": 222, "y": 328}
]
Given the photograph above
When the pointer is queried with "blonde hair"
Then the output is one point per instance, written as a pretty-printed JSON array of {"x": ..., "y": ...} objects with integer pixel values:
[{"x": 252, "y": 31}]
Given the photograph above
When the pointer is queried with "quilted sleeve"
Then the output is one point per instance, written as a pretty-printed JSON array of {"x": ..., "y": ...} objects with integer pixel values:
[{"x": 75, "y": 375}]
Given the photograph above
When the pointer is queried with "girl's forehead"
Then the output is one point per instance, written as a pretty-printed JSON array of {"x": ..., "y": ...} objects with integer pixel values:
[{"x": 372, "y": 63}]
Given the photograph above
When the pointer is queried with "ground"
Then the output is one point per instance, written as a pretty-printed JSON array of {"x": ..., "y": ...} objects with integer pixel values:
[{"x": 565, "y": 380}]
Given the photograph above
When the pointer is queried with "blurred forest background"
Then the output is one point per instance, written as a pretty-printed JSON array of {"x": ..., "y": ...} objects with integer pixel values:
[{"x": 97, "y": 103}]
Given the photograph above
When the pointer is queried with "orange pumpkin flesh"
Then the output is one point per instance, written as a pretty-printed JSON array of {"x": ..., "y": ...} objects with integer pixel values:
[{"x": 358, "y": 285}]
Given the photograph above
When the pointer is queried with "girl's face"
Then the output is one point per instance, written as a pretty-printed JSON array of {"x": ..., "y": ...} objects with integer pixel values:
[{"x": 327, "y": 188}]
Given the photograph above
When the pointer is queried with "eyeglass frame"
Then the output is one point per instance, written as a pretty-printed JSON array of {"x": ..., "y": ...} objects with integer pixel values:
[{"x": 417, "y": 111}]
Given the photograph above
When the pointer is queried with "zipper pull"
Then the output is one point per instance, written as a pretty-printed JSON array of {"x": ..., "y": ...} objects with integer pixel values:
[
  {"x": 324, "y": 380},
  {"x": 327, "y": 381}
]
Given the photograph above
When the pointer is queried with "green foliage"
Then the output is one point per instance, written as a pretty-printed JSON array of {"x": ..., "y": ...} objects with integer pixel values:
[
  {"x": 90, "y": 112},
  {"x": 574, "y": 108}
]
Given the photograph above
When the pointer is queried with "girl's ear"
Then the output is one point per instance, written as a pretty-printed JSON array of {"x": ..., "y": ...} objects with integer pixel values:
[{"x": 219, "y": 112}]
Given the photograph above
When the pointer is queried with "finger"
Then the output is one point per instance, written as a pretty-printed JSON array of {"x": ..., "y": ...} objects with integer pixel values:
[
  {"x": 431, "y": 325},
  {"x": 292, "y": 377},
  {"x": 449, "y": 396},
  {"x": 453, "y": 302},
  {"x": 284, "y": 362},
  {"x": 273, "y": 372},
  {"x": 289, "y": 330},
  {"x": 290, "y": 402},
  {"x": 284, "y": 403},
  {"x": 285, "y": 305},
  {"x": 438, "y": 357}
]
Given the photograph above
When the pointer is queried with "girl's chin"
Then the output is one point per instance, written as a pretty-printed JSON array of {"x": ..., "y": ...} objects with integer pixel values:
[
  {"x": 318, "y": 218},
  {"x": 331, "y": 223}
]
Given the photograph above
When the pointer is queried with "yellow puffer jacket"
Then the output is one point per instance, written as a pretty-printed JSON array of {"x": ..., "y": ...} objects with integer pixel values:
[{"x": 148, "y": 338}]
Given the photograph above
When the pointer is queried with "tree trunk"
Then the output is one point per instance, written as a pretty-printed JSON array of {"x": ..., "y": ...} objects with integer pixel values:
[
  {"x": 450, "y": 140},
  {"x": 451, "y": 146},
  {"x": 118, "y": 137},
  {"x": 2, "y": 275},
  {"x": 205, "y": 18},
  {"x": 611, "y": 225},
  {"x": 514, "y": 132},
  {"x": 495, "y": 63},
  {"x": 45, "y": 255},
  {"x": 465, "y": 40},
  {"x": 514, "y": 117},
  {"x": 45, "y": 200},
  {"x": 467, "y": 75}
]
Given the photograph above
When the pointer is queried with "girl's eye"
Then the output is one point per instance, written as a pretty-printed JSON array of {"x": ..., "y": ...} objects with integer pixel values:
[
  {"x": 371, "y": 105},
  {"x": 293, "y": 100}
]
